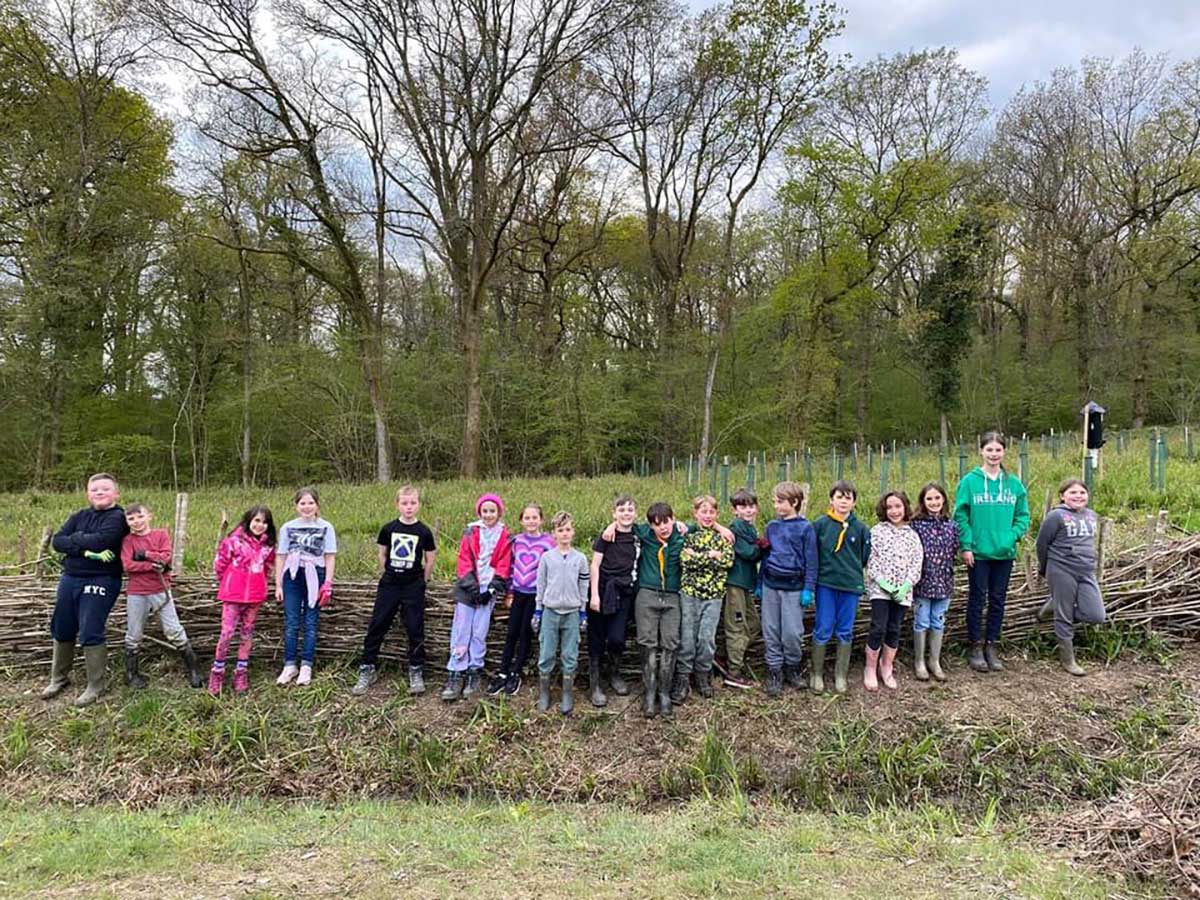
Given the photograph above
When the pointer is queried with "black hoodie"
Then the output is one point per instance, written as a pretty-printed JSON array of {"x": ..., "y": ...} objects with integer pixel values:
[{"x": 95, "y": 530}]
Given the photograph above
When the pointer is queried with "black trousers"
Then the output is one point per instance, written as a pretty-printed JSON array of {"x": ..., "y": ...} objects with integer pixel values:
[
  {"x": 391, "y": 598},
  {"x": 520, "y": 633},
  {"x": 606, "y": 632},
  {"x": 886, "y": 618}
]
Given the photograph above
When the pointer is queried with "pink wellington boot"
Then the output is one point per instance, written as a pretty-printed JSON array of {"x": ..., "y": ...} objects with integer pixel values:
[
  {"x": 869, "y": 681},
  {"x": 216, "y": 679},
  {"x": 241, "y": 680},
  {"x": 886, "y": 670}
]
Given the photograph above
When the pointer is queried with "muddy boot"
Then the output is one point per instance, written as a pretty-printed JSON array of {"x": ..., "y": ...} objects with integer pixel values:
[
  {"x": 841, "y": 667},
  {"x": 474, "y": 684},
  {"x": 870, "y": 682},
  {"x": 887, "y": 667},
  {"x": 1066, "y": 656},
  {"x": 595, "y": 694},
  {"x": 543, "y": 704},
  {"x": 935, "y": 655},
  {"x": 773, "y": 685},
  {"x": 975, "y": 658},
  {"x": 681, "y": 687},
  {"x": 619, "y": 685},
  {"x": 95, "y": 660},
  {"x": 1046, "y": 611},
  {"x": 568, "y": 697},
  {"x": 991, "y": 653},
  {"x": 649, "y": 681},
  {"x": 666, "y": 666},
  {"x": 133, "y": 678},
  {"x": 188, "y": 655},
  {"x": 60, "y": 669},
  {"x": 704, "y": 684},
  {"x": 919, "y": 639},
  {"x": 453, "y": 689},
  {"x": 816, "y": 669}
]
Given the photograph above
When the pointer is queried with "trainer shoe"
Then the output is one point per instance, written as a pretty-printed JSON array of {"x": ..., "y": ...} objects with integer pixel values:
[
  {"x": 513, "y": 683},
  {"x": 367, "y": 676},
  {"x": 289, "y": 672},
  {"x": 305, "y": 675},
  {"x": 738, "y": 680},
  {"x": 496, "y": 684}
]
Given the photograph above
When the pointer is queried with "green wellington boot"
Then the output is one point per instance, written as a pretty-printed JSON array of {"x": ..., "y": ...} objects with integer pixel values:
[
  {"x": 60, "y": 669},
  {"x": 816, "y": 668},
  {"x": 841, "y": 667},
  {"x": 919, "y": 638},
  {"x": 95, "y": 661}
]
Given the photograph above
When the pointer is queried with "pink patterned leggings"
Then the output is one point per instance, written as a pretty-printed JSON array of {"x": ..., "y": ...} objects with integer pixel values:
[{"x": 233, "y": 616}]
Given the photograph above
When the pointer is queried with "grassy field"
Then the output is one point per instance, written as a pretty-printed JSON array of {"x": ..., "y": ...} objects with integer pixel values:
[
  {"x": 372, "y": 849},
  {"x": 357, "y": 511}
]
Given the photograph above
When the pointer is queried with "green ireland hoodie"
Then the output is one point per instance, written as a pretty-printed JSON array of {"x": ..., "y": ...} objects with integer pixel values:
[{"x": 992, "y": 514}]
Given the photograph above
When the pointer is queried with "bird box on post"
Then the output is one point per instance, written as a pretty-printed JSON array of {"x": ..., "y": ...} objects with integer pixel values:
[{"x": 1093, "y": 440}]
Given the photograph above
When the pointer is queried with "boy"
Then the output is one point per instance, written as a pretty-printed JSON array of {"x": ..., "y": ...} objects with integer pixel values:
[
  {"x": 407, "y": 552},
  {"x": 843, "y": 548},
  {"x": 614, "y": 583},
  {"x": 742, "y": 624},
  {"x": 146, "y": 558},
  {"x": 706, "y": 560},
  {"x": 562, "y": 595},
  {"x": 90, "y": 541},
  {"x": 789, "y": 576}
]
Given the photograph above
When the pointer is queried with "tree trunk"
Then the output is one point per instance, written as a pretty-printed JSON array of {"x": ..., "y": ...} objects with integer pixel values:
[
  {"x": 944, "y": 426},
  {"x": 710, "y": 379},
  {"x": 472, "y": 347}
]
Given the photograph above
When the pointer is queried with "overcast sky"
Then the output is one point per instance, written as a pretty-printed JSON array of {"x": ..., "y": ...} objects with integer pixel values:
[{"x": 1019, "y": 41}]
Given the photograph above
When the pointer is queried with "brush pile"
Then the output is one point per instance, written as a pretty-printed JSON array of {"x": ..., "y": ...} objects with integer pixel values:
[{"x": 1168, "y": 601}]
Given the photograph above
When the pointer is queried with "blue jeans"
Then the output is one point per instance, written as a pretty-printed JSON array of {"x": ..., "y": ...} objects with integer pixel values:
[
  {"x": 697, "y": 634},
  {"x": 988, "y": 580},
  {"x": 783, "y": 627},
  {"x": 835, "y": 615},
  {"x": 81, "y": 608},
  {"x": 296, "y": 614},
  {"x": 559, "y": 634},
  {"x": 929, "y": 614}
]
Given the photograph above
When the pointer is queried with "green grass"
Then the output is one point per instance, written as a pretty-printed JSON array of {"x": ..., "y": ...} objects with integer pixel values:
[
  {"x": 367, "y": 849},
  {"x": 357, "y": 511}
]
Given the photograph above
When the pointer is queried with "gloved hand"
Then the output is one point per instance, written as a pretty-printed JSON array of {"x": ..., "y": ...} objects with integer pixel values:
[
  {"x": 886, "y": 585},
  {"x": 160, "y": 566},
  {"x": 104, "y": 556},
  {"x": 535, "y": 623},
  {"x": 762, "y": 543},
  {"x": 139, "y": 555},
  {"x": 806, "y": 598},
  {"x": 583, "y": 621},
  {"x": 325, "y": 594},
  {"x": 758, "y": 592},
  {"x": 903, "y": 591}
]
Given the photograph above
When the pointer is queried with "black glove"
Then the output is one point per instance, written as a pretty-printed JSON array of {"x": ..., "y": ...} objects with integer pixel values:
[
  {"x": 161, "y": 567},
  {"x": 139, "y": 555}
]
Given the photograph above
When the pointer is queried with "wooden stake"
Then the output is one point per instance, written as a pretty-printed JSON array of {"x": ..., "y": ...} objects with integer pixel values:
[{"x": 177, "y": 542}]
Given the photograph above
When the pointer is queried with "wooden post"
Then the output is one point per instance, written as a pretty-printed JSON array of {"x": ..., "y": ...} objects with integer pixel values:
[
  {"x": 1102, "y": 545},
  {"x": 44, "y": 547},
  {"x": 1151, "y": 526},
  {"x": 1027, "y": 562},
  {"x": 804, "y": 503},
  {"x": 177, "y": 542},
  {"x": 22, "y": 549}
]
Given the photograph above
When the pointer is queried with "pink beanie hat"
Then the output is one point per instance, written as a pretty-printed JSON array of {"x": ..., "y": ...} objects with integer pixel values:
[{"x": 484, "y": 498}]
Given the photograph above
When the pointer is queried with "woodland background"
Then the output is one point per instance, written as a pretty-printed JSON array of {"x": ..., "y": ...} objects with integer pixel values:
[{"x": 330, "y": 240}]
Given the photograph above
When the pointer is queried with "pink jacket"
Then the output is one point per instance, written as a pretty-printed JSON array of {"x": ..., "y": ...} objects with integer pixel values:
[
  {"x": 468, "y": 554},
  {"x": 242, "y": 565}
]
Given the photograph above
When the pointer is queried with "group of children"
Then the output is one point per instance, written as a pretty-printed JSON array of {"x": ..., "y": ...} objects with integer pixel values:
[{"x": 677, "y": 581}]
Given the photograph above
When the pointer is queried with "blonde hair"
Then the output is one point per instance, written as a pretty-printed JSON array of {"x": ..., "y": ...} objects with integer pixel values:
[
  {"x": 792, "y": 492},
  {"x": 102, "y": 476},
  {"x": 698, "y": 502},
  {"x": 408, "y": 490}
]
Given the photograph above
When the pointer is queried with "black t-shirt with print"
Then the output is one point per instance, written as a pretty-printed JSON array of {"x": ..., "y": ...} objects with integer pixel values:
[
  {"x": 620, "y": 557},
  {"x": 406, "y": 546}
]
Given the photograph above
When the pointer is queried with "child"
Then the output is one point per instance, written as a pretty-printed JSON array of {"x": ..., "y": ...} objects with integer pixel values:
[
  {"x": 1066, "y": 551},
  {"x": 243, "y": 561},
  {"x": 484, "y": 565},
  {"x": 146, "y": 557},
  {"x": 303, "y": 582},
  {"x": 407, "y": 552},
  {"x": 706, "y": 559},
  {"x": 562, "y": 595},
  {"x": 893, "y": 569},
  {"x": 613, "y": 586},
  {"x": 742, "y": 623},
  {"x": 843, "y": 549},
  {"x": 527, "y": 550},
  {"x": 656, "y": 604},
  {"x": 789, "y": 576},
  {"x": 90, "y": 541},
  {"x": 939, "y": 544},
  {"x": 992, "y": 512}
]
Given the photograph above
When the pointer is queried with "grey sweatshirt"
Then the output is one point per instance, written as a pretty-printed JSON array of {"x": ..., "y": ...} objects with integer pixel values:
[
  {"x": 562, "y": 580},
  {"x": 1068, "y": 539}
]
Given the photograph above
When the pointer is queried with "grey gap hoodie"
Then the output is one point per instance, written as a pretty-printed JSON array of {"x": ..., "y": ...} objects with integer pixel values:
[
  {"x": 1068, "y": 539},
  {"x": 562, "y": 582}
]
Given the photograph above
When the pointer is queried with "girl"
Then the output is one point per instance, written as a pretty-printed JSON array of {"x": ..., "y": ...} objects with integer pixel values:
[
  {"x": 303, "y": 582},
  {"x": 1066, "y": 552},
  {"x": 484, "y": 564},
  {"x": 992, "y": 512},
  {"x": 242, "y": 563},
  {"x": 892, "y": 569},
  {"x": 939, "y": 544},
  {"x": 527, "y": 550}
]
